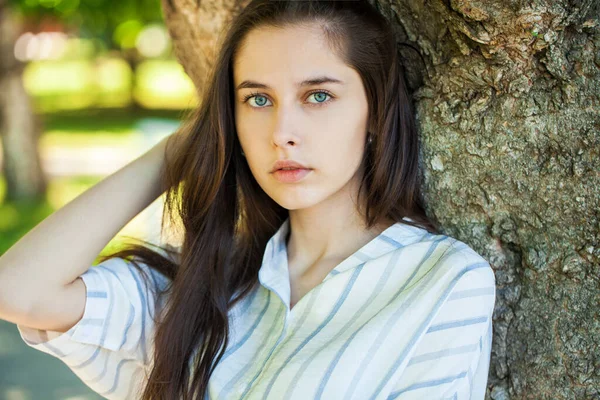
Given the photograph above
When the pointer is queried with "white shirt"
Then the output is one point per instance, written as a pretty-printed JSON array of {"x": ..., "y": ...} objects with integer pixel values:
[{"x": 407, "y": 316}]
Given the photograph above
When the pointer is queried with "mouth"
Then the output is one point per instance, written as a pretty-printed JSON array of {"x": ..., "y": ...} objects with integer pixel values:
[{"x": 291, "y": 175}]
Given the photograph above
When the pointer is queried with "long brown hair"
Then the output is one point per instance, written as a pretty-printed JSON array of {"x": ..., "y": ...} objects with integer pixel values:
[{"x": 227, "y": 218}]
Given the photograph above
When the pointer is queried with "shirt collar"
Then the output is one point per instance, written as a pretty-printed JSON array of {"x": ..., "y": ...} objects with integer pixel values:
[{"x": 274, "y": 274}]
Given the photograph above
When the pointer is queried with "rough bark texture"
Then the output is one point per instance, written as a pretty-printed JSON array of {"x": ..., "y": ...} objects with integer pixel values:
[
  {"x": 195, "y": 28},
  {"x": 19, "y": 127},
  {"x": 509, "y": 114},
  {"x": 508, "y": 104}
]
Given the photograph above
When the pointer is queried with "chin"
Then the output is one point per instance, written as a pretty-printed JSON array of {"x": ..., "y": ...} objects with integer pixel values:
[
  {"x": 293, "y": 203},
  {"x": 294, "y": 200}
]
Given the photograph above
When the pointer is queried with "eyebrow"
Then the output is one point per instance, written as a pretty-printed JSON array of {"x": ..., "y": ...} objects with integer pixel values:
[{"x": 318, "y": 80}]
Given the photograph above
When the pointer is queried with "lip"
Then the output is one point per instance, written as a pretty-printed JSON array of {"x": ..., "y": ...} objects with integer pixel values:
[
  {"x": 292, "y": 175},
  {"x": 287, "y": 164}
]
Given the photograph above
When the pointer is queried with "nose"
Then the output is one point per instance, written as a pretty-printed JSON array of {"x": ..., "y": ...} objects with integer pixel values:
[{"x": 284, "y": 132}]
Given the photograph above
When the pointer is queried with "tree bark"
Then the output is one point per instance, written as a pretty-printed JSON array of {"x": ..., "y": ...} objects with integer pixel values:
[
  {"x": 508, "y": 108},
  {"x": 19, "y": 127}
]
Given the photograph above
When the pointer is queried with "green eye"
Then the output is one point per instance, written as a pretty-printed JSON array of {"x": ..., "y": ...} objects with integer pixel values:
[{"x": 322, "y": 94}]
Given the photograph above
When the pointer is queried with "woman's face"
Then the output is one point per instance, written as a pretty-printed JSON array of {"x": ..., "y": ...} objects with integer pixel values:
[{"x": 322, "y": 126}]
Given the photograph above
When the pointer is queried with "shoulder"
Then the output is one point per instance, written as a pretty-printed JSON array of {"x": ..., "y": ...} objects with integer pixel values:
[
  {"x": 455, "y": 257},
  {"x": 459, "y": 285},
  {"x": 455, "y": 299},
  {"x": 452, "y": 292},
  {"x": 446, "y": 268},
  {"x": 466, "y": 287},
  {"x": 438, "y": 264},
  {"x": 469, "y": 266}
]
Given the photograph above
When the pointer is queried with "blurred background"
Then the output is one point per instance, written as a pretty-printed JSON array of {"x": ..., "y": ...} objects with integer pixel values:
[{"x": 86, "y": 86}]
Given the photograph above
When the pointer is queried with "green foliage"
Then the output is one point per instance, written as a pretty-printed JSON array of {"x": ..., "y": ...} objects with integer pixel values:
[
  {"x": 164, "y": 84},
  {"x": 107, "y": 82},
  {"x": 126, "y": 33},
  {"x": 94, "y": 18}
]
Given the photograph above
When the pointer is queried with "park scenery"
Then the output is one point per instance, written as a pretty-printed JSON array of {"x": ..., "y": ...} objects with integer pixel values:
[{"x": 88, "y": 86}]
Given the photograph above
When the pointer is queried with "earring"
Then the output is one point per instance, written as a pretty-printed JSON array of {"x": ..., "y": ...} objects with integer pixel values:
[
  {"x": 370, "y": 138},
  {"x": 243, "y": 154}
]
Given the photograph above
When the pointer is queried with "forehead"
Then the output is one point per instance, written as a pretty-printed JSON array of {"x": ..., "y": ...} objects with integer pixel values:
[{"x": 267, "y": 54}]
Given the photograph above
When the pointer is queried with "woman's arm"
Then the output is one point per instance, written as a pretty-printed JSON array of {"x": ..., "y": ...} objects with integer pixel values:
[{"x": 38, "y": 274}]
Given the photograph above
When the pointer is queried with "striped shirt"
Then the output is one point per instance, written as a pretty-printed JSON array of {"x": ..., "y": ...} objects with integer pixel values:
[{"x": 407, "y": 316}]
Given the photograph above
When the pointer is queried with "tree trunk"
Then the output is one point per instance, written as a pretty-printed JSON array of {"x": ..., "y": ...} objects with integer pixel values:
[
  {"x": 195, "y": 27},
  {"x": 508, "y": 108},
  {"x": 19, "y": 128}
]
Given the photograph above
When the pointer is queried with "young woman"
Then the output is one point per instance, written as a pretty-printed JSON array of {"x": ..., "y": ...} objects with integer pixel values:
[{"x": 324, "y": 281}]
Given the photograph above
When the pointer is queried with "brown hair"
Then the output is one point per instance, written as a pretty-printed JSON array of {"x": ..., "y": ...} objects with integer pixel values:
[{"x": 227, "y": 219}]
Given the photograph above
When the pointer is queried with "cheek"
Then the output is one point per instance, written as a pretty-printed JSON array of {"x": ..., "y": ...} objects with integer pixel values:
[
  {"x": 249, "y": 134},
  {"x": 341, "y": 152},
  {"x": 245, "y": 138}
]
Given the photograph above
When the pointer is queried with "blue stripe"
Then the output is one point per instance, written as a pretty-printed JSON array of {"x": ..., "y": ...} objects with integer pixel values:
[
  {"x": 384, "y": 332},
  {"x": 97, "y": 351},
  {"x": 368, "y": 302},
  {"x": 435, "y": 355},
  {"x": 471, "y": 293},
  {"x": 249, "y": 333},
  {"x": 282, "y": 244},
  {"x": 279, "y": 339},
  {"x": 249, "y": 301},
  {"x": 129, "y": 322},
  {"x": 430, "y": 383},
  {"x": 337, "y": 306},
  {"x": 88, "y": 361},
  {"x": 132, "y": 383},
  {"x": 346, "y": 344},
  {"x": 117, "y": 376},
  {"x": 389, "y": 240},
  {"x": 110, "y": 304},
  {"x": 155, "y": 283},
  {"x": 144, "y": 305},
  {"x": 97, "y": 294},
  {"x": 437, "y": 306},
  {"x": 306, "y": 311},
  {"x": 231, "y": 383},
  {"x": 314, "y": 295},
  {"x": 100, "y": 322},
  {"x": 272, "y": 355},
  {"x": 53, "y": 349},
  {"x": 455, "y": 324},
  {"x": 361, "y": 256},
  {"x": 107, "y": 355}
]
